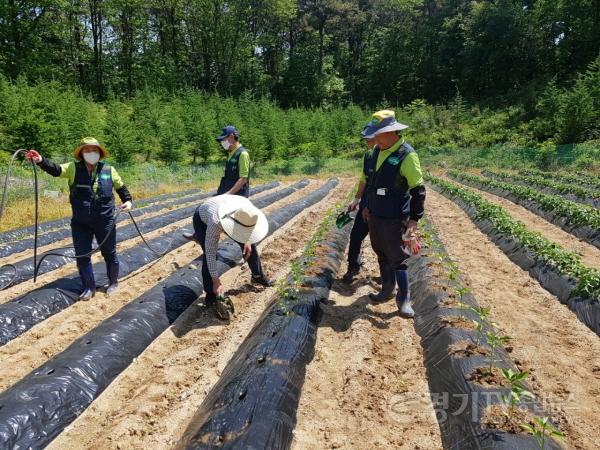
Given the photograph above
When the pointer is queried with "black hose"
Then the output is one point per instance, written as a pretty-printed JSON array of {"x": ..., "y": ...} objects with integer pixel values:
[
  {"x": 3, "y": 205},
  {"x": 90, "y": 253},
  {"x": 36, "y": 263}
]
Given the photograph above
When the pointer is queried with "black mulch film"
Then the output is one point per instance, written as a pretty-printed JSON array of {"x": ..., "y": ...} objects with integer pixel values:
[
  {"x": 37, "y": 408},
  {"x": 254, "y": 403}
]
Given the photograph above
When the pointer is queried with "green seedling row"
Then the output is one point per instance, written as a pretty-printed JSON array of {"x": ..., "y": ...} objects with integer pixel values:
[
  {"x": 581, "y": 178},
  {"x": 543, "y": 181},
  {"x": 576, "y": 214},
  {"x": 488, "y": 333},
  {"x": 564, "y": 262},
  {"x": 288, "y": 289}
]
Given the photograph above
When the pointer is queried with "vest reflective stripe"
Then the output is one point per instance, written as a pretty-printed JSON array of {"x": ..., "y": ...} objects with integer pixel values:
[
  {"x": 388, "y": 193},
  {"x": 232, "y": 174},
  {"x": 86, "y": 202}
]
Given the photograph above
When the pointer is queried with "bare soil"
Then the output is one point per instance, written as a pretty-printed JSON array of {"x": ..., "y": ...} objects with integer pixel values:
[
  {"x": 458, "y": 322},
  {"x": 150, "y": 404},
  {"x": 561, "y": 353},
  {"x": 28, "y": 351},
  {"x": 500, "y": 417},
  {"x": 464, "y": 349},
  {"x": 21, "y": 288},
  {"x": 484, "y": 377},
  {"x": 366, "y": 387}
]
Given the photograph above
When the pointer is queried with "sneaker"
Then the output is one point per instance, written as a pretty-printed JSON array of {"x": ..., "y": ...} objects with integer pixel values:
[
  {"x": 87, "y": 294},
  {"x": 350, "y": 274},
  {"x": 262, "y": 280},
  {"x": 112, "y": 288}
]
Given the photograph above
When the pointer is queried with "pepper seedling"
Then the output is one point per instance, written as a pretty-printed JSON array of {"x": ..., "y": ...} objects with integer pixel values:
[
  {"x": 541, "y": 429},
  {"x": 517, "y": 390},
  {"x": 494, "y": 341}
]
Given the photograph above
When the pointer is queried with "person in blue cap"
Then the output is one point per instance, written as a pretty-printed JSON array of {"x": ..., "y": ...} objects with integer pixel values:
[
  {"x": 236, "y": 180},
  {"x": 395, "y": 203}
]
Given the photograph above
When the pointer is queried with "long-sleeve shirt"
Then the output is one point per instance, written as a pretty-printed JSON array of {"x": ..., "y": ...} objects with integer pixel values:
[
  {"x": 67, "y": 170},
  {"x": 209, "y": 213}
]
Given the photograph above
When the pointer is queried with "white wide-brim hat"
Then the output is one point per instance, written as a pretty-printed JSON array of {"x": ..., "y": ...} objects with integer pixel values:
[{"x": 242, "y": 221}]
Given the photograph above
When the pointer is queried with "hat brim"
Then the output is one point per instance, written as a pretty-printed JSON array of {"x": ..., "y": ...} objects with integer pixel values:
[
  {"x": 220, "y": 138},
  {"x": 237, "y": 232},
  {"x": 103, "y": 152},
  {"x": 393, "y": 127}
]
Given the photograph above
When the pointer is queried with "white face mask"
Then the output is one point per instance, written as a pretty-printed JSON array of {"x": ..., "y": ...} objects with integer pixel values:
[
  {"x": 91, "y": 158},
  {"x": 225, "y": 144}
]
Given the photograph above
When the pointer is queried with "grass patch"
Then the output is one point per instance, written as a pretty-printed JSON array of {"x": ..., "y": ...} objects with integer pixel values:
[{"x": 148, "y": 180}]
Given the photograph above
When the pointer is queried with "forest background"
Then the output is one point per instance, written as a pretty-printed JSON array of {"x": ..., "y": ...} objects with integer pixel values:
[{"x": 502, "y": 82}]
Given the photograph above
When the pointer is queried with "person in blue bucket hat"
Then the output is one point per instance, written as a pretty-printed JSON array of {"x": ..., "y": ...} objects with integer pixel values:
[
  {"x": 395, "y": 202},
  {"x": 360, "y": 228}
]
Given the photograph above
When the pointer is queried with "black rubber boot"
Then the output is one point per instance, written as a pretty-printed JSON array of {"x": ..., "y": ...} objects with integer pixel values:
[
  {"x": 388, "y": 283},
  {"x": 112, "y": 270},
  {"x": 403, "y": 295},
  {"x": 87, "y": 280}
]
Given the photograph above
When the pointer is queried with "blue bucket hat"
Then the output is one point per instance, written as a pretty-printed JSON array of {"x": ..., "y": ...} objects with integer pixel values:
[
  {"x": 383, "y": 121},
  {"x": 364, "y": 133},
  {"x": 226, "y": 131}
]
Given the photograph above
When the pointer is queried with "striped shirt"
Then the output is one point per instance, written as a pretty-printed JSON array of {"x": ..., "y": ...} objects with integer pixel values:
[{"x": 209, "y": 213}]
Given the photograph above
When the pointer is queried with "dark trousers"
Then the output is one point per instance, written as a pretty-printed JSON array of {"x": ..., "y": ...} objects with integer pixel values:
[
  {"x": 386, "y": 239},
  {"x": 101, "y": 228},
  {"x": 200, "y": 234},
  {"x": 359, "y": 232}
]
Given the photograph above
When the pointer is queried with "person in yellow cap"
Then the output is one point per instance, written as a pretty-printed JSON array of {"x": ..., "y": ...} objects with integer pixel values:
[
  {"x": 91, "y": 183},
  {"x": 395, "y": 203}
]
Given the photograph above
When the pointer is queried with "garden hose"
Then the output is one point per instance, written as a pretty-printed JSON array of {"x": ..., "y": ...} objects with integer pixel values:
[
  {"x": 3, "y": 205},
  {"x": 36, "y": 263}
]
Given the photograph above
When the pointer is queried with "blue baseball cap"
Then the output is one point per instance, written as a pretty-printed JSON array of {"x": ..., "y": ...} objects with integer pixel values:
[{"x": 226, "y": 131}]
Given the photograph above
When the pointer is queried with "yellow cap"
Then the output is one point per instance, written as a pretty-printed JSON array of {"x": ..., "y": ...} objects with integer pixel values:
[{"x": 384, "y": 114}]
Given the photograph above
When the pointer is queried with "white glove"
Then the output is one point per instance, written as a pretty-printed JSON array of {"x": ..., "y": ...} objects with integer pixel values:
[
  {"x": 354, "y": 205},
  {"x": 126, "y": 206}
]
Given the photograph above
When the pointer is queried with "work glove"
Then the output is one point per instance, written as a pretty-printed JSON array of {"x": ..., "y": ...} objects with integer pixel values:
[
  {"x": 354, "y": 205},
  {"x": 411, "y": 243},
  {"x": 33, "y": 156},
  {"x": 126, "y": 206}
]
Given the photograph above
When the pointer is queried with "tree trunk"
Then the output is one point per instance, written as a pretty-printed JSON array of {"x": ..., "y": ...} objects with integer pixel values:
[{"x": 96, "y": 22}]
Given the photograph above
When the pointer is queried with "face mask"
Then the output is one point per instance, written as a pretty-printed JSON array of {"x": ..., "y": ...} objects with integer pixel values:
[
  {"x": 91, "y": 158},
  {"x": 225, "y": 144}
]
